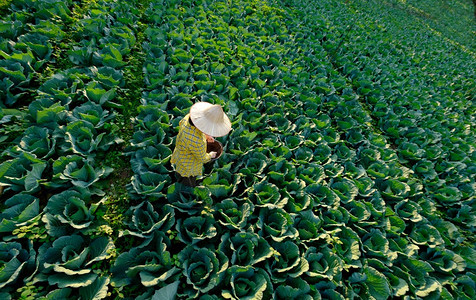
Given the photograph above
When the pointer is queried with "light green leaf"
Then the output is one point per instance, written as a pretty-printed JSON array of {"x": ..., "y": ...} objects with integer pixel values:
[
  {"x": 428, "y": 287},
  {"x": 151, "y": 279},
  {"x": 59, "y": 294},
  {"x": 168, "y": 292},
  {"x": 63, "y": 280},
  {"x": 377, "y": 283},
  {"x": 96, "y": 290},
  {"x": 100, "y": 248}
]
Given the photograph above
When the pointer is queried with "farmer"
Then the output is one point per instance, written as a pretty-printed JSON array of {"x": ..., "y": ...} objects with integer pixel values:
[{"x": 204, "y": 122}]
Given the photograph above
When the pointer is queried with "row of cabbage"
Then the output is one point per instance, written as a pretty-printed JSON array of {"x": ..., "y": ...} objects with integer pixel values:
[
  {"x": 421, "y": 100},
  {"x": 427, "y": 112},
  {"x": 453, "y": 20},
  {"x": 51, "y": 177},
  {"x": 27, "y": 36},
  {"x": 307, "y": 201}
]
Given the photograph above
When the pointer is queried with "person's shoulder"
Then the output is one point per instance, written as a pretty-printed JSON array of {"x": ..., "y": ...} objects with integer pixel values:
[
  {"x": 184, "y": 121},
  {"x": 189, "y": 130}
]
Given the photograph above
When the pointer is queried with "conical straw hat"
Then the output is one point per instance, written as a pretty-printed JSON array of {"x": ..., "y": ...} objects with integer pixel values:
[{"x": 210, "y": 119}]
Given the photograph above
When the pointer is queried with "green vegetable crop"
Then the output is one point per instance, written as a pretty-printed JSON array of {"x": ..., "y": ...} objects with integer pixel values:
[{"x": 349, "y": 172}]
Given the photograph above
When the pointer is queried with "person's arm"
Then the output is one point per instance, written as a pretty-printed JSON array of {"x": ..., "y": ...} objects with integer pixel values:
[
  {"x": 199, "y": 149},
  {"x": 210, "y": 139}
]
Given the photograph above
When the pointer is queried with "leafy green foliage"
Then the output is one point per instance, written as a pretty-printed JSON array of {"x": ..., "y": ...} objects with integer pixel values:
[
  {"x": 67, "y": 213},
  {"x": 14, "y": 259},
  {"x": 349, "y": 172},
  {"x": 74, "y": 170},
  {"x": 145, "y": 220},
  {"x": 23, "y": 173},
  {"x": 67, "y": 262},
  {"x": 149, "y": 264},
  {"x": 20, "y": 210},
  {"x": 203, "y": 269},
  {"x": 247, "y": 283}
]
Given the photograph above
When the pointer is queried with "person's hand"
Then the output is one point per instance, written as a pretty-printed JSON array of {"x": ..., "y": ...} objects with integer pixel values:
[
  {"x": 213, "y": 154},
  {"x": 210, "y": 139}
]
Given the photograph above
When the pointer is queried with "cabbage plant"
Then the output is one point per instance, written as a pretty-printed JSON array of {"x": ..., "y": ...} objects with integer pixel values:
[
  {"x": 324, "y": 264},
  {"x": 445, "y": 260},
  {"x": 247, "y": 283},
  {"x": 289, "y": 262},
  {"x": 353, "y": 170},
  {"x": 203, "y": 268},
  {"x": 448, "y": 196},
  {"x": 77, "y": 171},
  {"x": 221, "y": 184},
  {"x": 109, "y": 56},
  {"x": 334, "y": 170},
  {"x": 359, "y": 213},
  {"x": 377, "y": 283},
  {"x": 195, "y": 229},
  {"x": 308, "y": 225},
  {"x": 144, "y": 220},
  {"x": 311, "y": 173},
  {"x": 152, "y": 117},
  {"x": 393, "y": 189},
  {"x": 99, "y": 94},
  {"x": 336, "y": 217},
  {"x": 48, "y": 113},
  {"x": 245, "y": 249},
  {"x": 64, "y": 85},
  {"x": 410, "y": 152},
  {"x": 347, "y": 247},
  {"x": 149, "y": 264},
  {"x": 98, "y": 289},
  {"x": 15, "y": 259},
  {"x": 254, "y": 164},
  {"x": 276, "y": 224},
  {"x": 375, "y": 244},
  {"x": 295, "y": 288},
  {"x": 303, "y": 155},
  {"x": 416, "y": 274},
  {"x": 323, "y": 196},
  {"x": 345, "y": 189},
  {"x": 234, "y": 214},
  {"x": 365, "y": 186},
  {"x": 68, "y": 261},
  {"x": 148, "y": 184},
  {"x": 409, "y": 210},
  {"x": 152, "y": 124},
  {"x": 92, "y": 113},
  {"x": 189, "y": 201},
  {"x": 80, "y": 137},
  {"x": 39, "y": 45},
  {"x": 23, "y": 173},
  {"x": 20, "y": 210},
  {"x": 466, "y": 286},
  {"x": 69, "y": 212},
  {"x": 16, "y": 72},
  {"x": 265, "y": 194},
  {"x": 36, "y": 141},
  {"x": 108, "y": 77},
  {"x": 282, "y": 170},
  {"x": 424, "y": 233},
  {"x": 295, "y": 196},
  {"x": 151, "y": 158}
]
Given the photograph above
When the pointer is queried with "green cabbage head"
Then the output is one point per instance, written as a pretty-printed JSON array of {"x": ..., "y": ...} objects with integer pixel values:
[
  {"x": 13, "y": 260},
  {"x": 203, "y": 268},
  {"x": 68, "y": 261}
]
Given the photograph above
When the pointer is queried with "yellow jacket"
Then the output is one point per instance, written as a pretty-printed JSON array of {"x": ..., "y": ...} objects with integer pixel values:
[{"x": 190, "y": 151}]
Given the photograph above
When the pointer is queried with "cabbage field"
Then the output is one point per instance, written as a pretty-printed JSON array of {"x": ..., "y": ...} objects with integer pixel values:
[{"x": 349, "y": 172}]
